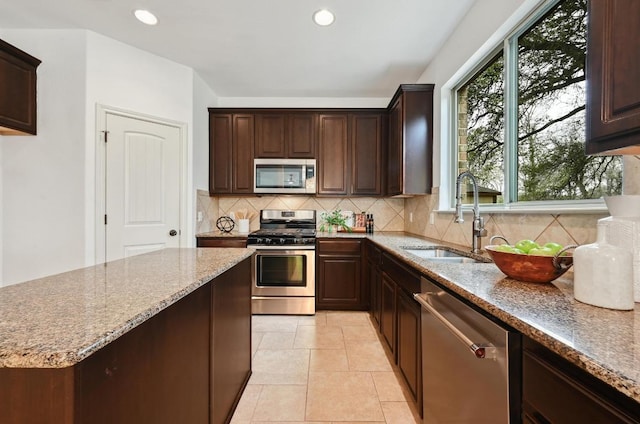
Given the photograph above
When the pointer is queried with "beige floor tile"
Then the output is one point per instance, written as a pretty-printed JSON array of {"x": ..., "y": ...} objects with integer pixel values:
[
  {"x": 357, "y": 422},
  {"x": 399, "y": 413},
  {"x": 274, "y": 323},
  {"x": 328, "y": 360},
  {"x": 314, "y": 337},
  {"x": 366, "y": 356},
  {"x": 256, "y": 339},
  {"x": 284, "y": 366},
  {"x": 320, "y": 318},
  {"x": 281, "y": 403},
  {"x": 359, "y": 332},
  {"x": 277, "y": 341},
  {"x": 342, "y": 396},
  {"x": 388, "y": 386},
  {"x": 247, "y": 404},
  {"x": 340, "y": 318}
]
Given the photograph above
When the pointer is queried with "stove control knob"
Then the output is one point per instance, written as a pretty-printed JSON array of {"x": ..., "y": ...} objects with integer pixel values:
[{"x": 282, "y": 241}]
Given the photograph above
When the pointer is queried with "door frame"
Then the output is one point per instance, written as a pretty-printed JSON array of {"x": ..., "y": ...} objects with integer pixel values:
[{"x": 100, "y": 210}]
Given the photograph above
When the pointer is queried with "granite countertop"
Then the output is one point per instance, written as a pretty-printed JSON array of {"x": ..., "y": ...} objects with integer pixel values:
[
  {"x": 604, "y": 342},
  {"x": 55, "y": 322}
]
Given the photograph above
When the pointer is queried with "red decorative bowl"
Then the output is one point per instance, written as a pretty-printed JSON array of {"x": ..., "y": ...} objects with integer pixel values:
[{"x": 531, "y": 268}]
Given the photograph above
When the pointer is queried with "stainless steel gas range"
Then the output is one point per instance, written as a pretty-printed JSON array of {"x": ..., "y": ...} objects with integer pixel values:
[{"x": 283, "y": 279}]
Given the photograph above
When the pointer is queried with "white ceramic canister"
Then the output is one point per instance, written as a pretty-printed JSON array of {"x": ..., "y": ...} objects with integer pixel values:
[{"x": 603, "y": 274}]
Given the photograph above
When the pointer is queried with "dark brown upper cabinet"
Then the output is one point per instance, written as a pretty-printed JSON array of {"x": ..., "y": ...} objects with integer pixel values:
[
  {"x": 350, "y": 153},
  {"x": 231, "y": 138},
  {"x": 286, "y": 135},
  {"x": 333, "y": 146},
  {"x": 17, "y": 91},
  {"x": 613, "y": 75},
  {"x": 410, "y": 149}
]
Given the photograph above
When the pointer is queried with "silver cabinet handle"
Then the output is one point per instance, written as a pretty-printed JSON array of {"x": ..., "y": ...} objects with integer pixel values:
[{"x": 479, "y": 351}]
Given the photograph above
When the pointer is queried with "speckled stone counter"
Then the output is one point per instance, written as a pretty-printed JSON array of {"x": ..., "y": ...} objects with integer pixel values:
[
  {"x": 57, "y": 321},
  {"x": 605, "y": 343}
]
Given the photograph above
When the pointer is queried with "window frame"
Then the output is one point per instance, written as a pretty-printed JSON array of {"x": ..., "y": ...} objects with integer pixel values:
[{"x": 505, "y": 40}]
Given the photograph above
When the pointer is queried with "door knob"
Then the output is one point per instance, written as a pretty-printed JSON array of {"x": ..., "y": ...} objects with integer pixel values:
[{"x": 173, "y": 233}]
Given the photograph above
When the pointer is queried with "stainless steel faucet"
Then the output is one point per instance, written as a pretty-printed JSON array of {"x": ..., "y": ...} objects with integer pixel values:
[{"x": 478, "y": 222}]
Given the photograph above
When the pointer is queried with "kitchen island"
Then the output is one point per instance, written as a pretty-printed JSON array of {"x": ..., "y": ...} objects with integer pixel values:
[{"x": 162, "y": 337}]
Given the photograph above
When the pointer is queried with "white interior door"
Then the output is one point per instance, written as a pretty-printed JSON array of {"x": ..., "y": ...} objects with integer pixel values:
[{"x": 142, "y": 187}]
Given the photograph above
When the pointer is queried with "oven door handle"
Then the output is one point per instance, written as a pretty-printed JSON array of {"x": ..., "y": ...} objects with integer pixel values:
[{"x": 478, "y": 350}]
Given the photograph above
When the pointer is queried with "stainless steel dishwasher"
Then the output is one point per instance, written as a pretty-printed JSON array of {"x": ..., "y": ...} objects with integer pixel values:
[{"x": 468, "y": 362}]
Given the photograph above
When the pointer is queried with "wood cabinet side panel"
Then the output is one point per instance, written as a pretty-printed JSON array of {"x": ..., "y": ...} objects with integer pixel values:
[
  {"x": 230, "y": 340},
  {"x": 18, "y": 87},
  {"x": 37, "y": 395}
]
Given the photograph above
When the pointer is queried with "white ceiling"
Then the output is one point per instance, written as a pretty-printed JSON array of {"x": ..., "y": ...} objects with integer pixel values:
[{"x": 269, "y": 48}]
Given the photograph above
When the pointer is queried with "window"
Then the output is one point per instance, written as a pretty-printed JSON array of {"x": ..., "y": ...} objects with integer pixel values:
[{"x": 520, "y": 124}]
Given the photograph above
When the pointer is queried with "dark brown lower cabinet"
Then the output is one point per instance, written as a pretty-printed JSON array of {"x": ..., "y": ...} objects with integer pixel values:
[
  {"x": 409, "y": 344},
  {"x": 556, "y": 391},
  {"x": 187, "y": 364},
  {"x": 339, "y": 282},
  {"x": 388, "y": 313},
  {"x": 374, "y": 276}
]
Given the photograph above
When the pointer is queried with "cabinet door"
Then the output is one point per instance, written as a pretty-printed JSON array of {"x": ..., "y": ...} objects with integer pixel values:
[
  {"x": 613, "y": 72},
  {"x": 271, "y": 135},
  {"x": 366, "y": 154},
  {"x": 332, "y": 157},
  {"x": 409, "y": 344},
  {"x": 18, "y": 88},
  {"x": 220, "y": 153},
  {"x": 394, "y": 151},
  {"x": 388, "y": 313},
  {"x": 243, "y": 154},
  {"x": 302, "y": 136},
  {"x": 339, "y": 283}
]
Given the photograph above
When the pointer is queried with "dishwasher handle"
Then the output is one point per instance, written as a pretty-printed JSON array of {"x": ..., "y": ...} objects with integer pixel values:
[{"x": 478, "y": 350}]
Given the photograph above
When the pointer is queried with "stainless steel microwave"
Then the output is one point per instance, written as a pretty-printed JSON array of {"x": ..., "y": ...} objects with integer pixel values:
[{"x": 284, "y": 176}]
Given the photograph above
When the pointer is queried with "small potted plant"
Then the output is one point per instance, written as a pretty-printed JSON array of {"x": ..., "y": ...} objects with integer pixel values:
[{"x": 333, "y": 220}]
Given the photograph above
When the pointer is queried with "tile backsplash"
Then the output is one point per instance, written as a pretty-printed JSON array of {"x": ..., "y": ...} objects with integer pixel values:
[
  {"x": 393, "y": 214},
  {"x": 388, "y": 212}
]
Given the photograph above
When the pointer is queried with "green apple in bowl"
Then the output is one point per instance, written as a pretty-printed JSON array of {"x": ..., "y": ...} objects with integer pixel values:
[
  {"x": 526, "y": 245},
  {"x": 542, "y": 251},
  {"x": 509, "y": 249},
  {"x": 556, "y": 247}
]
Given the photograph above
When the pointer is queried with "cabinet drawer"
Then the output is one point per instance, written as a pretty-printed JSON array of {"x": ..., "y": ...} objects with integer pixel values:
[
  {"x": 402, "y": 275},
  {"x": 550, "y": 395},
  {"x": 222, "y": 242},
  {"x": 341, "y": 247}
]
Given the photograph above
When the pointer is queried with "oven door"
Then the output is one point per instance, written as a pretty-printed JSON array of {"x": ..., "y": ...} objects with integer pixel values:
[{"x": 283, "y": 271}]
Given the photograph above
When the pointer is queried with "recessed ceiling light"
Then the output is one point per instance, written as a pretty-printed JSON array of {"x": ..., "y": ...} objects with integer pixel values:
[
  {"x": 323, "y": 17},
  {"x": 146, "y": 17}
]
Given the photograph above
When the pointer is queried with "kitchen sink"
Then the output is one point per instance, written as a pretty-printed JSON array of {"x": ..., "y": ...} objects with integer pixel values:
[{"x": 441, "y": 254}]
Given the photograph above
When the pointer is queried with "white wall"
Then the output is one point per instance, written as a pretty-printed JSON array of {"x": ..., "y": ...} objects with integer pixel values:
[
  {"x": 203, "y": 98},
  {"x": 48, "y": 181},
  {"x": 475, "y": 30},
  {"x": 43, "y": 176},
  {"x": 124, "y": 77}
]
